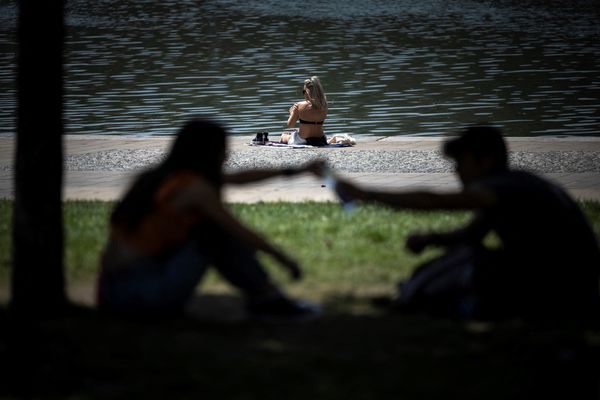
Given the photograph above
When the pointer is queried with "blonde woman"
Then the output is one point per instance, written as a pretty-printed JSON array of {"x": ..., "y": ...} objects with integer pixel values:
[{"x": 311, "y": 114}]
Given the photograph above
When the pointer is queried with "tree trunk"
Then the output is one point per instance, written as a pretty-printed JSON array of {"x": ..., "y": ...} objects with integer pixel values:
[{"x": 37, "y": 276}]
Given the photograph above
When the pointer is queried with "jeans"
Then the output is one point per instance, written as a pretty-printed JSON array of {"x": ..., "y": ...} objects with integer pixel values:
[{"x": 165, "y": 284}]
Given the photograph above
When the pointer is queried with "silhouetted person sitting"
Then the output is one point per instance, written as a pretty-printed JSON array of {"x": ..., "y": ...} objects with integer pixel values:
[
  {"x": 172, "y": 224},
  {"x": 548, "y": 261}
]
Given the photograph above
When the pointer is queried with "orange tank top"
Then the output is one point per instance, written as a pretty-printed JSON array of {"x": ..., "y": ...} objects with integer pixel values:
[{"x": 165, "y": 227}]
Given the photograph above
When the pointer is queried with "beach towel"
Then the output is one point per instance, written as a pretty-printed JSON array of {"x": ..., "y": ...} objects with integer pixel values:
[
  {"x": 277, "y": 145},
  {"x": 296, "y": 142}
]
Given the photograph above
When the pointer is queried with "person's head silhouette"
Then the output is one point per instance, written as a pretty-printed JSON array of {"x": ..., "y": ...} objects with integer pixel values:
[
  {"x": 478, "y": 151},
  {"x": 200, "y": 147}
]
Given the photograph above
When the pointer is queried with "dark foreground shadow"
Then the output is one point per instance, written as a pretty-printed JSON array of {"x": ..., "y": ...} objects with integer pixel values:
[{"x": 343, "y": 355}]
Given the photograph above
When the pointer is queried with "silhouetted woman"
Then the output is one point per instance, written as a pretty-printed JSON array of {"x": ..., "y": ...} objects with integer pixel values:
[{"x": 172, "y": 224}]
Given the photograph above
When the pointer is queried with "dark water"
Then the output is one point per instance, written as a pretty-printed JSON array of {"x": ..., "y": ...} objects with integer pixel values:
[{"x": 388, "y": 67}]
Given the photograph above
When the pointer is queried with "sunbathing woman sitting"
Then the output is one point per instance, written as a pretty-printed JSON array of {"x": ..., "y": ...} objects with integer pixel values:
[{"x": 311, "y": 113}]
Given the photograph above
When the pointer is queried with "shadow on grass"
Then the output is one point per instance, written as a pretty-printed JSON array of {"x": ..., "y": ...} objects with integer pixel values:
[{"x": 346, "y": 354}]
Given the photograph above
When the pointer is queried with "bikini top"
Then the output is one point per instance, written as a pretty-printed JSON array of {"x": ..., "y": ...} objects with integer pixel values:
[{"x": 310, "y": 122}]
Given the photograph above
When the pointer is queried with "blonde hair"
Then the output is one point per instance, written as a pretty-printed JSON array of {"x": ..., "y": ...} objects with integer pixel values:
[{"x": 315, "y": 92}]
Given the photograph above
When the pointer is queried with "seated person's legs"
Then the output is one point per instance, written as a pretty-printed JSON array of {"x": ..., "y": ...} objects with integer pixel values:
[
  {"x": 150, "y": 284},
  {"x": 238, "y": 265},
  {"x": 234, "y": 261}
]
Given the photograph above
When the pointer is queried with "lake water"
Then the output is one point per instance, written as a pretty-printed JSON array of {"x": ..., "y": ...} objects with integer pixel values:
[{"x": 388, "y": 67}]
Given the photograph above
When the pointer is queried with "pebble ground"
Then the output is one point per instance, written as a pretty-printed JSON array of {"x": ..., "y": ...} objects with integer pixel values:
[{"x": 101, "y": 167}]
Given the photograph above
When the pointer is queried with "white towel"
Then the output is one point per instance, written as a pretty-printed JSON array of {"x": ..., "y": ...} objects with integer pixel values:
[{"x": 341, "y": 138}]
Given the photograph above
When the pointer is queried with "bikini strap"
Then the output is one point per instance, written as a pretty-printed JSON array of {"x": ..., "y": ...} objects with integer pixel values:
[{"x": 310, "y": 122}]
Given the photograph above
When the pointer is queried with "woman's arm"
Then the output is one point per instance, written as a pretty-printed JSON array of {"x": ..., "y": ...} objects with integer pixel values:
[
  {"x": 294, "y": 115},
  {"x": 203, "y": 197},
  {"x": 254, "y": 175}
]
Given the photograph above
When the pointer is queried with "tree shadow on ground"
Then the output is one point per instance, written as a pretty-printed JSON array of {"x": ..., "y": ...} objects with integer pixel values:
[{"x": 345, "y": 354}]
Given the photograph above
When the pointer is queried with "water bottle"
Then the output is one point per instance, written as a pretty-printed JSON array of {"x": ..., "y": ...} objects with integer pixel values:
[{"x": 348, "y": 204}]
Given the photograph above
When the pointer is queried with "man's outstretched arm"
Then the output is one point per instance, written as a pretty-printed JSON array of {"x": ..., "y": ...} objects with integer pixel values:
[{"x": 472, "y": 198}]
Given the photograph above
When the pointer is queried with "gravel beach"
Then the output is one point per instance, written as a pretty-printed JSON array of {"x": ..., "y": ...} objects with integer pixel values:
[
  {"x": 102, "y": 167},
  {"x": 387, "y": 161},
  {"x": 389, "y": 158}
]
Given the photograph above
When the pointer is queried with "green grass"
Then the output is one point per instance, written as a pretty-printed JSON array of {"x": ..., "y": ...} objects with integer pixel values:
[
  {"x": 334, "y": 247},
  {"x": 351, "y": 353},
  {"x": 338, "y": 250}
]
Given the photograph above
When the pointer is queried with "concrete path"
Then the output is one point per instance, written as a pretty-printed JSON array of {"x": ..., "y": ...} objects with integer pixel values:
[{"x": 109, "y": 185}]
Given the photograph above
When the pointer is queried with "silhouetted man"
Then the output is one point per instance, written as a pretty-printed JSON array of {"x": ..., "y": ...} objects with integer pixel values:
[{"x": 547, "y": 263}]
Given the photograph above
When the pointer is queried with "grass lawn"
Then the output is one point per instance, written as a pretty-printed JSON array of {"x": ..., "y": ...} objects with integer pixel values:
[
  {"x": 340, "y": 252},
  {"x": 354, "y": 351}
]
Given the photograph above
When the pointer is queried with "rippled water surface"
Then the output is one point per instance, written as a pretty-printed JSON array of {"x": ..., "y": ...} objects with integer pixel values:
[{"x": 388, "y": 67}]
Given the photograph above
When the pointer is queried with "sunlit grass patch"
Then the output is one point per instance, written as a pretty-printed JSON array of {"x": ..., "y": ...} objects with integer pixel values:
[{"x": 357, "y": 254}]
